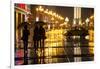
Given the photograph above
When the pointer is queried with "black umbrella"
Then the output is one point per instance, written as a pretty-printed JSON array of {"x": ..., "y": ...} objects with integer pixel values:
[
  {"x": 40, "y": 23},
  {"x": 77, "y": 32},
  {"x": 21, "y": 25}
]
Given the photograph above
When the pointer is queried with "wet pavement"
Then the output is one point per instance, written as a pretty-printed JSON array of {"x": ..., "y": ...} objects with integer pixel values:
[{"x": 58, "y": 49}]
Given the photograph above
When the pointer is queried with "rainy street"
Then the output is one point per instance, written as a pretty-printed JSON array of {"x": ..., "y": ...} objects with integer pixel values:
[
  {"x": 53, "y": 34},
  {"x": 59, "y": 50}
]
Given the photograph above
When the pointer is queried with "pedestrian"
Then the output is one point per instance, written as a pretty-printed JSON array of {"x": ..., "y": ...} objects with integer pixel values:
[
  {"x": 42, "y": 38},
  {"x": 36, "y": 38},
  {"x": 25, "y": 35}
]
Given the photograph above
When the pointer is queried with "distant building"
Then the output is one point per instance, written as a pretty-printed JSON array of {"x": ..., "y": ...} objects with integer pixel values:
[{"x": 77, "y": 16}]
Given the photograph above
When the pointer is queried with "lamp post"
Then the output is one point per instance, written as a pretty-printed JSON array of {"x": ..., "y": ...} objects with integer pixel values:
[
  {"x": 87, "y": 22},
  {"x": 66, "y": 21}
]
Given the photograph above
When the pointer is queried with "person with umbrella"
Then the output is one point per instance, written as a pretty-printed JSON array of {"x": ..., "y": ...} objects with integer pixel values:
[
  {"x": 38, "y": 38},
  {"x": 42, "y": 38},
  {"x": 25, "y": 35}
]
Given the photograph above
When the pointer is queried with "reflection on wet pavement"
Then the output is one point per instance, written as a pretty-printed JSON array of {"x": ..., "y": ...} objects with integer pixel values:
[{"x": 59, "y": 48}]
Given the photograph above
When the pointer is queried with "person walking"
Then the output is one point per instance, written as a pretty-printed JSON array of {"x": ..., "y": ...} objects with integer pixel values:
[
  {"x": 36, "y": 38},
  {"x": 25, "y": 35},
  {"x": 42, "y": 38}
]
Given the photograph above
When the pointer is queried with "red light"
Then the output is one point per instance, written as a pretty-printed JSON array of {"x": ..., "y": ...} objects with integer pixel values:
[{"x": 21, "y": 6}]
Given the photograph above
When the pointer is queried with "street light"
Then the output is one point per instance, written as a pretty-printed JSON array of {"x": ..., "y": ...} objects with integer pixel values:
[
  {"x": 54, "y": 14},
  {"x": 52, "y": 18},
  {"x": 67, "y": 19},
  {"x": 40, "y": 7},
  {"x": 46, "y": 11},
  {"x": 50, "y": 12},
  {"x": 37, "y": 9},
  {"x": 91, "y": 17},
  {"x": 37, "y": 18},
  {"x": 87, "y": 20}
]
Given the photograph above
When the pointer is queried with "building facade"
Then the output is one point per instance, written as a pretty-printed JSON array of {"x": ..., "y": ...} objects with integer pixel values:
[{"x": 20, "y": 14}]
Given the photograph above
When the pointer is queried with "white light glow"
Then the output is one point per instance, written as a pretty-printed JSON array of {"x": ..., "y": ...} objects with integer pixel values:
[{"x": 37, "y": 18}]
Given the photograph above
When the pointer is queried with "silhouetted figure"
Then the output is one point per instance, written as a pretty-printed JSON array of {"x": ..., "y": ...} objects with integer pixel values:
[
  {"x": 36, "y": 38},
  {"x": 25, "y": 42},
  {"x": 42, "y": 38}
]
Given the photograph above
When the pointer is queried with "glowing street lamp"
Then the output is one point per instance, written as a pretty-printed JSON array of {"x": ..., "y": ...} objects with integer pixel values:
[
  {"x": 37, "y": 9},
  {"x": 46, "y": 11},
  {"x": 40, "y": 7},
  {"x": 52, "y": 18},
  {"x": 62, "y": 18},
  {"x": 54, "y": 14},
  {"x": 37, "y": 18},
  {"x": 67, "y": 19},
  {"x": 87, "y": 21},
  {"x": 50, "y": 12},
  {"x": 92, "y": 17}
]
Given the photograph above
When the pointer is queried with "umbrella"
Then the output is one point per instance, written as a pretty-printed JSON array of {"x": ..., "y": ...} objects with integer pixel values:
[
  {"x": 77, "y": 32},
  {"x": 21, "y": 25},
  {"x": 40, "y": 23}
]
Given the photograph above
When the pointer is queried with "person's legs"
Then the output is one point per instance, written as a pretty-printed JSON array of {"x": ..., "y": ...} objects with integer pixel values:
[
  {"x": 39, "y": 45},
  {"x": 25, "y": 52},
  {"x": 35, "y": 44},
  {"x": 36, "y": 59},
  {"x": 35, "y": 51},
  {"x": 43, "y": 50}
]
